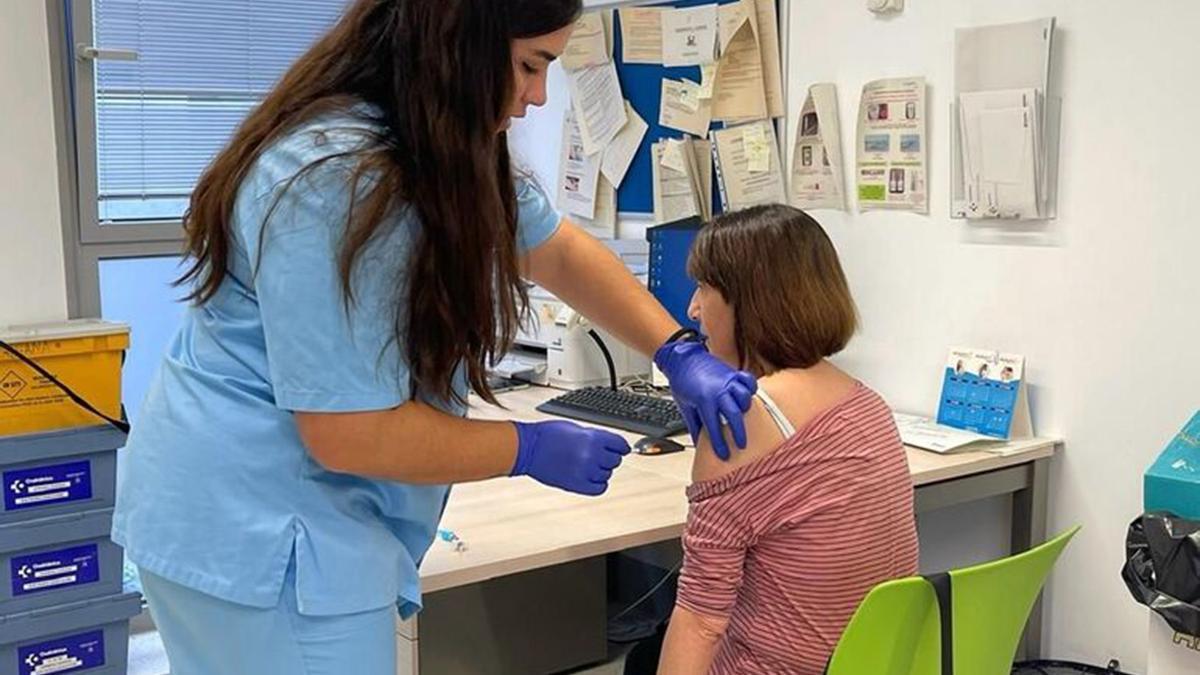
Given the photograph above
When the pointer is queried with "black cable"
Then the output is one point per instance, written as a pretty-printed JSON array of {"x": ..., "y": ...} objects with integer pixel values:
[
  {"x": 120, "y": 425},
  {"x": 648, "y": 593},
  {"x": 612, "y": 369}
]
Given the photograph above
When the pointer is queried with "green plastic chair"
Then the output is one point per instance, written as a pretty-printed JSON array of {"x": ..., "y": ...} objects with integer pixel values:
[{"x": 898, "y": 628}]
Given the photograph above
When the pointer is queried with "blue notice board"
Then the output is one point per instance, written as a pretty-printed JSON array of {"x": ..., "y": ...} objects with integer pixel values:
[{"x": 642, "y": 85}]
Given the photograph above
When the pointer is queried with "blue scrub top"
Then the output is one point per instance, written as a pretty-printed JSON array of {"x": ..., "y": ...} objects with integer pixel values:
[{"x": 216, "y": 490}]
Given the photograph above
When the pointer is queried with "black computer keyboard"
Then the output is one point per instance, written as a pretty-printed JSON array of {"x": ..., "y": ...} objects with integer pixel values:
[{"x": 639, "y": 413}]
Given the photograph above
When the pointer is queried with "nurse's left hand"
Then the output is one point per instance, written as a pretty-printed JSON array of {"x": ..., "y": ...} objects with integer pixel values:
[
  {"x": 707, "y": 390},
  {"x": 567, "y": 455}
]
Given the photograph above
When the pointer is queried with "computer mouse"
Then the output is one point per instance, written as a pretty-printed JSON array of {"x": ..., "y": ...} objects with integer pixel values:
[{"x": 651, "y": 445}]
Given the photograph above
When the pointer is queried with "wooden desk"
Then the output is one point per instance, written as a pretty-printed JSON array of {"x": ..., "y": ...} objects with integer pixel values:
[{"x": 515, "y": 526}]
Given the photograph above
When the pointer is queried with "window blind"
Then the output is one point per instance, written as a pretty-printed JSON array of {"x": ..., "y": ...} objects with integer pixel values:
[{"x": 202, "y": 65}]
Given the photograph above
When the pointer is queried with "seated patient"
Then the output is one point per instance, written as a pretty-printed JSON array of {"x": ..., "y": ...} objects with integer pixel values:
[{"x": 786, "y": 538}]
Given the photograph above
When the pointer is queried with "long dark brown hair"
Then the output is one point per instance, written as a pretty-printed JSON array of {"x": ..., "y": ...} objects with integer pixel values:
[{"x": 438, "y": 75}]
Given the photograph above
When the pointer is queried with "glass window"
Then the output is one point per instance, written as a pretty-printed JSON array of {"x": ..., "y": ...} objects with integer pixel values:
[
  {"x": 200, "y": 66},
  {"x": 138, "y": 292}
]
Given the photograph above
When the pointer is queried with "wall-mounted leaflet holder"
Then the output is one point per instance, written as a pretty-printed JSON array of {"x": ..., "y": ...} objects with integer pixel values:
[{"x": 1005, "y": 121}]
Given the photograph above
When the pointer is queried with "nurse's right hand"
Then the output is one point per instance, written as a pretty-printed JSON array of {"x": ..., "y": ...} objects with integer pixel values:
[{"x": 567, "y": 455}]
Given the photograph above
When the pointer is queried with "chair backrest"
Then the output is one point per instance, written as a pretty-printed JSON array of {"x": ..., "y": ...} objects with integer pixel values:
[
  {"x": 991, "y": 605},
  {"x": 893, "y": 632},
  {"x": 897, "y": 628}
]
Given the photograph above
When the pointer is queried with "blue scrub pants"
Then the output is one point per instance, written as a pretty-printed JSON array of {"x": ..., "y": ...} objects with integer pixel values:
[{"x": 205, "y": 635}]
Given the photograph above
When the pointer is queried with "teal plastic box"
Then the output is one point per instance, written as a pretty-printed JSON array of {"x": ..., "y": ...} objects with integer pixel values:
[{"x": 1172, "y": 483}]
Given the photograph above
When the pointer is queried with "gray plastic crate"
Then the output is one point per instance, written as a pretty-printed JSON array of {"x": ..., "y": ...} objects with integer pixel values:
[
  {"x": 58, "y": 472},
  {"x": 51, "y": 561},
  {"x": 90, "y": 636}
]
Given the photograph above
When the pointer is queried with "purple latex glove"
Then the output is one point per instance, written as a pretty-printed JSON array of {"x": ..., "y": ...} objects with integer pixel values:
[
  {"x": 568, "y": 456},
  {"x": 707, "y": 389}
]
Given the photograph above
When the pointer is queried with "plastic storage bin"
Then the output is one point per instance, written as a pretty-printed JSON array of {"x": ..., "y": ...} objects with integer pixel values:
[
  {"x": 52, "y": 561},
  {"x": 89, "y": 637},
  {"x": 83, "y": 354},
  {"x": 58, "y": 472}
]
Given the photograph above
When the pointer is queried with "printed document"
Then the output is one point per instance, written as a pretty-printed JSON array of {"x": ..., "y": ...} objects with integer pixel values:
[
  {"x": 587, "y": 46},
  {"x": 675, "y": 195},
  {"x": 598, "y": 104},
  {"x": 689, "y": 35},
  {"x": 683, "y": 109},
  {"x": 619, "y": 153},
  {"x": 641, "y": 34},
  {"x": 739, "y": 93},
  {"x": 891, "y": 146},
  {"x": 578, "y": 172},
  {"x": 817, "y": 153},
  {"x": 742, "y": 187}
]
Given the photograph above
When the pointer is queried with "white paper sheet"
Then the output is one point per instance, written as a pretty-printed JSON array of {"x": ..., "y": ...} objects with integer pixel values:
[
  {"x": 708, "y": 80},
  {"x": 683, "y": 109},
  {"x": 891, "y": 146},
  {"x": 817, "y": 180},
  {"x": 730, "y": 17},
  {"x": 603, "y": 224},
  {"x": 675, "y": 195},
  {"x": 740, "y": 187},
  {"x": 768, "y": 40},
  {"x": 1007, "y": 56},
  {"x": 739, "y": 93},
  {"x": 999, "y": 143},
  {"x": 620, "y": 152},
  {"x": 587, "y": 46},
  {"x": 598, "y": 104},
  {"x": 578, "y": 172},
  {"x": 641, "y": 34},
  {"x": 689, "y": 35},
  {"x": 673, "y": 155},
  {"x": 609, "y": 30},
  {"x": 703, "y": 168}
]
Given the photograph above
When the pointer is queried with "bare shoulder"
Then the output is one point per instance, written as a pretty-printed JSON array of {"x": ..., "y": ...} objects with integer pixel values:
[
  {"x": 762, "y": 437},
  {"x": 800, "y": 396},
  {"x": 803, "y": 394}
]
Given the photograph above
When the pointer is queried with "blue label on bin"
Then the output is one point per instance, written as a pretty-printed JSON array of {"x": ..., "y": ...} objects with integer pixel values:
[
  {"x": 53, "y": 570},
  {"x": 47, "y": 485},
  {"x": 63, "y": 655}
]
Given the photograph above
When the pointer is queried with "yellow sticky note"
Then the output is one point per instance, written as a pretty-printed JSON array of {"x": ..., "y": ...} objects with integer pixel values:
[
  {"x": 708, "y": 77},
  {"x": 758, "y": 152}
]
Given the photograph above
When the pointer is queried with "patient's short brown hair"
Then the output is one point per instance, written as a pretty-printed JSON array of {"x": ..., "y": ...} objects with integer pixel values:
[{"x": 778, "y": 270}]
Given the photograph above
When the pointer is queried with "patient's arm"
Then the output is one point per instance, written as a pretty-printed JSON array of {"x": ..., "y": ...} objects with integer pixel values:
[
  {"x": 715, "y": 541},
  {"x": 762, "y": 436},
  {"x": 691, "y": 642}
]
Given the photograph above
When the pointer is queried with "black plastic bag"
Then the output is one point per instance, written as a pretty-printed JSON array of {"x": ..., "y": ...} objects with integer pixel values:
[{"x": 1162, "y": 568}]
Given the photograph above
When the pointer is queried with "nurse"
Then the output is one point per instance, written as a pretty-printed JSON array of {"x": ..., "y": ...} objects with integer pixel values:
[{"x": 357, "y": 258}]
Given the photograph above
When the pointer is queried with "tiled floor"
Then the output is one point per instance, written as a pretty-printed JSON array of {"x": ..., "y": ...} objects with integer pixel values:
[{"x": 146, "y": 655}]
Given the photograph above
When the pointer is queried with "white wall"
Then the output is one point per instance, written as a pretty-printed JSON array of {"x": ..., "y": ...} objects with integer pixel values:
[
  {"x": 1105, "y": 301},
  {"x": 32, "y": 279}
]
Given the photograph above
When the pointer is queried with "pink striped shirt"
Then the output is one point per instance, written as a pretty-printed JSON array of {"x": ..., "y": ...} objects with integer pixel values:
[{"x": 786, "y": 547}]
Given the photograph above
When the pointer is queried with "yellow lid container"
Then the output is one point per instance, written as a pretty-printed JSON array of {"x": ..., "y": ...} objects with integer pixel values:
[{"x": 83, "y": 354}]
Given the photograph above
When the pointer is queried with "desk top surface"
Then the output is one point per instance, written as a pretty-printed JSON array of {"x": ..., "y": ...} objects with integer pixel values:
[{"x": 513, "y": 525}]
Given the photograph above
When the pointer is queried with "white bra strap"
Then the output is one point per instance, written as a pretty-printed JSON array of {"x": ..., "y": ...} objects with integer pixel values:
[{"x": 772, "y": 408}]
